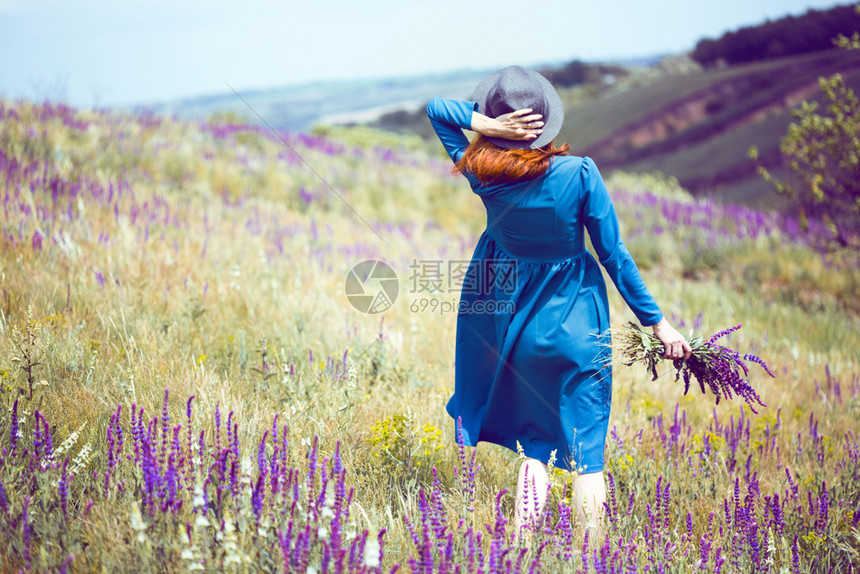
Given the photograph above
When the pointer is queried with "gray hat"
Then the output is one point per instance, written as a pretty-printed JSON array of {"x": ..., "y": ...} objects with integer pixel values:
[{"x": 514, "y": 88}]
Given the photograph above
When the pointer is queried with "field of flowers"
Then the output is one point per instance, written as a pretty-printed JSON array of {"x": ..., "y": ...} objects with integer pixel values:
[{"x": 185, "y": 385}]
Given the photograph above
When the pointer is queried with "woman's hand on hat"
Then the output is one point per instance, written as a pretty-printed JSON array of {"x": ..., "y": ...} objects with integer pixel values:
[
  {"x": 519, "y": 125},
  {"x": 674, "y": 342}
]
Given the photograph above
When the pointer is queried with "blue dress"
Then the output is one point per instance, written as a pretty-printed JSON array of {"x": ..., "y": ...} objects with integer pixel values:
[{"x": 532, "y": 362}]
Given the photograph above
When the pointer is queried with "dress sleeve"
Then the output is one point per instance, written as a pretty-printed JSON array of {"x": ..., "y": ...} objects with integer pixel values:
[
  {"x": 449, "y": 118},
  {"x": 600, "y": 220}
]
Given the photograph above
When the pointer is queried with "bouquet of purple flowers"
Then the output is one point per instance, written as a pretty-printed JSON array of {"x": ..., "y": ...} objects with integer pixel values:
[{"x": 722, "y": 370}]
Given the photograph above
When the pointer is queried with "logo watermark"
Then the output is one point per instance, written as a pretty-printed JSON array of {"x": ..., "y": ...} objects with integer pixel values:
[
  {"x": 372, "y": 286},
  {"x": 443, "y": 306},
  {"x": 487, "y": 276}
]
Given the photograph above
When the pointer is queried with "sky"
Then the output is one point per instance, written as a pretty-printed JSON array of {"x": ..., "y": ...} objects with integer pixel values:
[{"x": 123, "y": 52}]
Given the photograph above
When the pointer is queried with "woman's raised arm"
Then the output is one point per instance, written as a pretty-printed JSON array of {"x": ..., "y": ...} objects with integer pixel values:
[
  {"x": 450, "y": 117},
  {"x": 519, "y": 125}
]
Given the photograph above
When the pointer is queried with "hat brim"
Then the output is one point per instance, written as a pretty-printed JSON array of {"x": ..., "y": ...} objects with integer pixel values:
[{"x": 552, "y": 125}]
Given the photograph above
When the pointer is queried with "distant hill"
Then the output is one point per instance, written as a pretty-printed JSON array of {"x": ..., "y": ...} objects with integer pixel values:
[
  {"x": 568, "y": 75},
  {"x": 698, "y": 127},
  {"x": 788, "y": 36},
  {"x": 298, "y": 108},
  {"x": 347, "y": 102},
  {"x": 670, "y": 115}
]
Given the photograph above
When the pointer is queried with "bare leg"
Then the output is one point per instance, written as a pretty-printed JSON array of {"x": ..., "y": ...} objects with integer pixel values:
[
  {"x": 589, "y": 492},
  {"x": 532, "y": 486}
]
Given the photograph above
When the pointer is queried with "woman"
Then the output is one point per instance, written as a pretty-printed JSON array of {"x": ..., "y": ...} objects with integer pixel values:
[{"x": 532, "y": 369}]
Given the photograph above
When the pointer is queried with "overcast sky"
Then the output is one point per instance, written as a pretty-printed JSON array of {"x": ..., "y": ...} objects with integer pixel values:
[{"x": 115, "y": 52}]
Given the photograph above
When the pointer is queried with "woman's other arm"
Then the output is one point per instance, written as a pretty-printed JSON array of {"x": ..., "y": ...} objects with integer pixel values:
[{"x": 602, "y": 223}]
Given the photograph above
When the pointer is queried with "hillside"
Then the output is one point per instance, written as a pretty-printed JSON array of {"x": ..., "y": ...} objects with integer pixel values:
[
  {"x": 664, "y": 114},
  {"x": 698, "y": 127}
]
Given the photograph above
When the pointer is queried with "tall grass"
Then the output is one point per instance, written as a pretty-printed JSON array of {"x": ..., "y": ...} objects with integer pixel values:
[{"x": 205, "y": 397}]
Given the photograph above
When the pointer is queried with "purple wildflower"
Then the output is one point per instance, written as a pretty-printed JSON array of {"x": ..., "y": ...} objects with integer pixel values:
[
  {"x": 718, "y": 369},
  {"x": 165, "y": 425},
  {"x": 13, "y": 429},
  {"x": 262, "y": 461},
  {"x": 719, "y": 560},
  {"x": 257, "y": 496},
  {"x": 4, "y": 500},
  {"x": 64, "y": 487},
  {"x": 723, "y": 333},
  {"x": 795, "y": 557},
  {"x": 217, "y": 429}
]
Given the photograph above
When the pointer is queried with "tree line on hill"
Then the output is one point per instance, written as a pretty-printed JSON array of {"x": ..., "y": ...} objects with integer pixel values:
[
  {"x": 578, "y": 72},
  {"x": 787, "y": 36}
]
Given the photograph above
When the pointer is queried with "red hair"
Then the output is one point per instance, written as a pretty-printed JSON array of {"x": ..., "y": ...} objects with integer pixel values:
[{"x": 492, "y": 164}]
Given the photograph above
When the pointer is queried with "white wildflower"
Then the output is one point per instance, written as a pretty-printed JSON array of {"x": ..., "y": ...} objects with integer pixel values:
[
  {"x": 395, "y": 339},
  {"x": 771, "y": 548},
  {"x": 371, "y": 553},
  {"x": 246, "y": 466},
  {"x": 81, "y": 461},
  {"x": 231, "y": 548},
  {"x": 199, "y": 500},
  {"x": 137, "y": 522},
  {"x": 551, "y": 463},
  {"x": 69, "y": 442}
]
